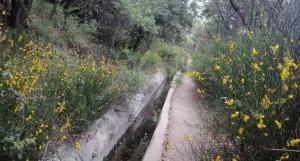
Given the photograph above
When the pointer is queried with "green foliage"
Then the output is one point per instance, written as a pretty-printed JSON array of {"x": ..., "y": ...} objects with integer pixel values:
[
  {"x": 61, "y": 29},
  {"x": 135, "y": 78},
  {"x": 130, "y": 23},
  {"x": 258, "y": 81},
  {"x": 173, "y": 57},
  {"x": 48, "y": 96},
  {"x": 142, "y": 13},
  {"x": 150, "y": 60},
  {"x": 160, "y": 54},
  {"x": 173, "y": 17}
]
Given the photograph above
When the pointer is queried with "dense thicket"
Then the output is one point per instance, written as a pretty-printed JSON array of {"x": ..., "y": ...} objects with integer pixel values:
[
  {"x": 120, "y": 23},
  {"x": 251, "y": 66},
  {"x": 276, "y": 16},
  {"x": 63, "y": 63}
]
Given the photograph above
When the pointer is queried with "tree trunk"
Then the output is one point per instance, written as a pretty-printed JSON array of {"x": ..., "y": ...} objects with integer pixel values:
[
  {"x": 19, "y": 12},
  {"x": 16, "y": 11},
  {"x": 5, "y": 3}
]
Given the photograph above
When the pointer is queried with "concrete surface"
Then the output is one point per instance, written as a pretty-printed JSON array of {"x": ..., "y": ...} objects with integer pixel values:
[
  {"x": 184, "y": 122},
  {"x": 106, "y": 132},
  {"x": 156, "y": 146}
]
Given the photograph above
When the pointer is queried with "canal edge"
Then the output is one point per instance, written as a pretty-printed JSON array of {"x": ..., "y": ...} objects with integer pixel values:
[{"x": 156, "y": 146}]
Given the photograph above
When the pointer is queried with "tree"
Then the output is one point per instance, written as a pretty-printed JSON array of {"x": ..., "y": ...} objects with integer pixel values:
[
  {"x": 172, "y": 17},
  {"x": 19, "y": 12}
]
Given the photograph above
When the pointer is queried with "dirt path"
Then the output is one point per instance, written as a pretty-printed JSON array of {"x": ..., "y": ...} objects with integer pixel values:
[
  {"x": 184, "y": 121},
  {"x": 193, "y": 128}
]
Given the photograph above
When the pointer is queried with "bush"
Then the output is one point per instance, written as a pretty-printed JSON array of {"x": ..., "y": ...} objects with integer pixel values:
[
  {"x": 150, "y": 60},
  {"x": 173, "y": 57},
  {"x": 48, "y": 97},
  {"x": 258, "y": 80},
  {"x": 61, "y": 30},
  {"x": 160, "y": 54}
]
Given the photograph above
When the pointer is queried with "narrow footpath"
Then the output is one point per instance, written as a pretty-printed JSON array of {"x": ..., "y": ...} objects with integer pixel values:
[
  {"x": 194, "y": 125},
  {"x": 184, "y": 122}
]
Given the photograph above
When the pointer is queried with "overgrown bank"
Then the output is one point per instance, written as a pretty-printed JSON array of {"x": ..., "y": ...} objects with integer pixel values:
[
  {"x": 251, "y": 66},
  {"x": 257, "y": 80},
  {"x": 52, "y": 88}
]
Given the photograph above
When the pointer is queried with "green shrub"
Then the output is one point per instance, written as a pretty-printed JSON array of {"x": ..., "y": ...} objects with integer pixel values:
[
  {"x": 173, "y": 57},
  {"x": 46, "y": 96},
  {"x": 258, "y": 81},
  {"x": 150, "y": 60},
  {"x": 61, "y": 30}
]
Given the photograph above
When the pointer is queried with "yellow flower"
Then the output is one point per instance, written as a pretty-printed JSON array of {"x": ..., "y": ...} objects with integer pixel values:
[
  {"x": 29, "y": 118},
  {"x": 217, "y": 68},
  {"x": 289, "y": 62},
  {"x": 278, "y": 124},
  {"x": 295, "y": 86},
  {"x": 271, "y": 90},
  {"x": 259, "y": 116},
  {"x": 261, "y": 63},
  {"x": 66, "y": 125},
  {"x": 285, "y": 87},
  {"x": 254, "y": 52},
  {"x": 217, "y": 158},
  {"x": 226, "y": 79},
  {"x": 235, "y": 114},
  {"x": 187, "y": 138},
  {"x": 246, "y": 118},
  {"x": 241, "y": 130},
  {"x": 3, "y": 13},
  {"x": 284, "y": 157},
  {"x": 200, "y": 91},
  {"x": 63, "y": 138},
  {"x": 285, "y": 69},
  {"x": 232, "y": 123},
  {"x": 250, "y": 35},
  {"x": 234, "y": 159},
  {"x": 231, "y": 46},
  {"x": 261, "y": 124},
  {"x": 255, "y": 67},
  {"x": 275, "y": 48},
  {"x": 293, "y": 142},
  {"x": 243, "y": 81},
  {"x": 266, "y": 102},
  {"x": 291, "y": 96},
  {"x": 60, "y": 108},
  {"x": 40, "y": 147},
  {"x": 230, "y": 102},
  {"x": 266, "y": 134},
  {"x": 279, "y": 66},
  {"x": 27, "y": 160},
  {"x": 77, "y": 145},
  {"x": 284, "y": 74},
  {"x": 248, "y": 93}
]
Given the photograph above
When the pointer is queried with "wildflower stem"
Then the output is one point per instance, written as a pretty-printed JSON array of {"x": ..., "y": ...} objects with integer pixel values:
[
  {"x": 283, "y": 150},
  {"x": 44, "y": 154}
]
